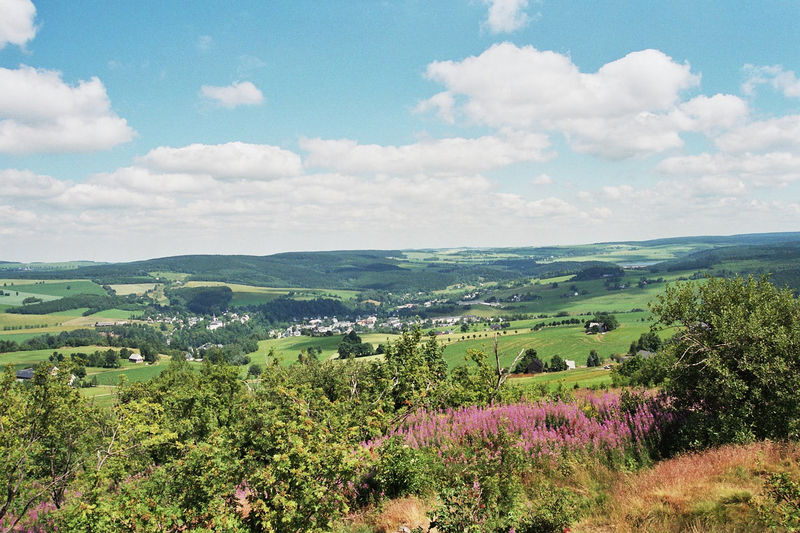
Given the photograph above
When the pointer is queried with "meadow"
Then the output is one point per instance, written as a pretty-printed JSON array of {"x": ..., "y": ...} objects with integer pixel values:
[{"x": 255, "y": 295}]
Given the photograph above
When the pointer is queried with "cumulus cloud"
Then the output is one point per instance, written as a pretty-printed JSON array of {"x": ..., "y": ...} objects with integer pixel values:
[
  {"x": 234, "y": 160},
  {"x": 443, "y": 104},
  {"x": 712, "y": 113},
  {"x": 785, "y": 81},
  {"x": 10, "y": 216},
  {"x": 781, "y": 133},
  {"x": 40, "y": 113},
  {"x": 451, "y": 155},
  {"x": 506, "y": 16},
  {"x": 26, "y": 184},
  {"x": 774, "y": 168},
  {"x": 629, "y": 106},
  {"x": 542, "y": 179},
  {"x": 140, "y": 179},
  {"x": 95, "y": 196},
  {"x": 234, "y": 95},
  {"x": 17, "y": 19}
]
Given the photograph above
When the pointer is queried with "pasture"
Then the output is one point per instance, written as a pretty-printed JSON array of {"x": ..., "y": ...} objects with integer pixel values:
[
  {"x": 583, "y": 377},
  {"x": 569, "y": 342},
  {"x": 29, "y": 358},
  {"x": 133, "y": 288},
  {"x": 255, "y": 295},
  {"x": 59, "y": 289}
]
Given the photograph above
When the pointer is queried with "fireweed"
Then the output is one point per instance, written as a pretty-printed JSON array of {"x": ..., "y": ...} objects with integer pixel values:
[{"x": 542, "y": 431}]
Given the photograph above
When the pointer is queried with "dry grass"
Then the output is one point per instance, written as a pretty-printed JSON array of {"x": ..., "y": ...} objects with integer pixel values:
[
  {"x": 406, "y": 512},
  {"x": 711, "y": 491}
]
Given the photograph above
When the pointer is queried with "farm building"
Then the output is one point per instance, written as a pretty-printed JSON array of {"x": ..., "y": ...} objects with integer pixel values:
[
  {"x": 25, "y": 374},
  {"x": 135, "y": 358}
]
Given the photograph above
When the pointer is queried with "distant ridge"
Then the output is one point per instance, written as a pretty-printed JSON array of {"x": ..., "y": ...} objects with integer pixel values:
[{"x": 429, "y": 269}]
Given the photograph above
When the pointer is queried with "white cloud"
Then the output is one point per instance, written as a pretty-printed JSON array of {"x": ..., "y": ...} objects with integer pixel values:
[
  {"x": 11, "y": 216},
  {"x": 234, "y": 160},
  {"x": 770, "y": 169},
  {"x": 40, "y": 113},
  {"x": 26, "y": 184},
  {"x": 452, "y": 155},
  {"x": 542, "y": 179},
  {"x": 139, "y": 179},
  {"x": 713, "y": 113},
  {"x": 17, "y": 22},
  {"x": 234, "y": 95},
  {"x": 443, "y": 103},
  {"x": 601, "y": 212},
  {"x": 95, "y": 196},
  {"x": 616, "y": 192},
  {"x": 506, "y": 16},
  {"x": 785, "y": 81},
  {"x": 781, "y": 133},
  {"x": 629, "y": 106}
]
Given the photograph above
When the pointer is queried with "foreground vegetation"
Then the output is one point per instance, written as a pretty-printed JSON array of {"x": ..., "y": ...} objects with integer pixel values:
[{"x": 401, "y": 440}]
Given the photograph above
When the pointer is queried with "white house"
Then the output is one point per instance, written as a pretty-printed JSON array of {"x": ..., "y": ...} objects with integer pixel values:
[
  {"x": 135, "y": 358},
  {"x": 570, "y": 364}
]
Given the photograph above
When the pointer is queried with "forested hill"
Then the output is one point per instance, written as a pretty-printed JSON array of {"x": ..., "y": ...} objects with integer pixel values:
[
  {"x": 722, "y": 240},
  {"x": 428, "y": 269},
  {"x": 383, "y": 270},
  {"x": 781, "y": 261}
]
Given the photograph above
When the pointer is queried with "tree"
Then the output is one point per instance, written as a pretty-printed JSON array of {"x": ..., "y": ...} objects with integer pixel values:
[
  {"x": 254, "y": 370},
  {"x": 529, "y": 363},
  {"x": 351, "y": 346},
  {"x": 557, "y": 364},
  {"x": 594, "y": 359},
  {"x": 110, "y": 359},
  {"x": 148, "y": 353},
  {"x": 415, "y": 368},
  {"x": 649, "y": 342},
  {"x": 736, "y": 368},
  {"x": 45, "y": 437},
  {"x": 606, "y": 321}
]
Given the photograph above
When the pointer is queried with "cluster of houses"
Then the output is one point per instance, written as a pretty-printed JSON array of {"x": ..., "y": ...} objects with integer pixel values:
[
  {"x": 324, "y": 326},
  {"x": 180, "y": 322}
]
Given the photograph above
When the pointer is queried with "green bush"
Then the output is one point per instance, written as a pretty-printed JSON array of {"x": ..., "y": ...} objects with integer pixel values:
[
  {"x": 736, "y": 369},
  {"x": 402, "y": 470}
]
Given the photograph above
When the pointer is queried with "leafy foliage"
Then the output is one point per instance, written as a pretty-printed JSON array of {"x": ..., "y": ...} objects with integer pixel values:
[
  {"x": 529, "y": 363},
  {"x": 351, "y": 346},
  {"x": 736, "y": 369}
]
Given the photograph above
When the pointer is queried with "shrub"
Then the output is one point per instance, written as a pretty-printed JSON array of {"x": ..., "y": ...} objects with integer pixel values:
[{"x": 736, "y": 368}]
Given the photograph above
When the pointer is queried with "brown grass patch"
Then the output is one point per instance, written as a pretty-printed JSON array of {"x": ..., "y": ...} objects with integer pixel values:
[
  {"x": 710, "y": 491},
  {"x": 392, "y": 515}
]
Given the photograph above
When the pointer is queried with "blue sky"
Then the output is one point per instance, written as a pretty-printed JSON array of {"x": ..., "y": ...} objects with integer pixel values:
[{"x": 135, "y": 130}]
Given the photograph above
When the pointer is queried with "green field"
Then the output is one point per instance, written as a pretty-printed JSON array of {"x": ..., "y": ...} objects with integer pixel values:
[
  {"x": 60, "y": 288},
  {"x": 32, "y": 357},
  {"x": 117, "y": 314},
  {"x": 107, "y": 378},
  {"x": 254, "y": 295},
  {"x": 10, "y": 321},
  {"x": 287, "y": 349},
  {"x": 133, "y": 372},
  {"x": 569, "y": 342},
  {"x": 583, "y": 377},
  {"x": 13, "y": 298}
]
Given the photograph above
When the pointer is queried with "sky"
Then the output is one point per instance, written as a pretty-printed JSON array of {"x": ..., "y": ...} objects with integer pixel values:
[{"x": 132, "y": 130}]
